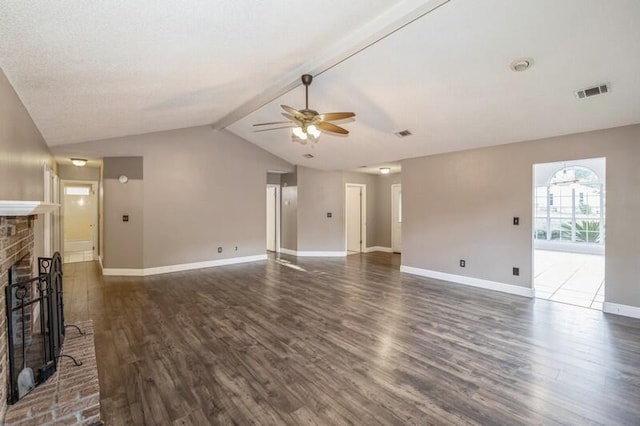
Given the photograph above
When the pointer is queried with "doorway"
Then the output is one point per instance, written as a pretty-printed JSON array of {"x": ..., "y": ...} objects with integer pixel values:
[
  {"x": 355, "y": 218},
  {"x": 569, "y": 232},
  {"x": 80, "y": 216},
  {"x": 396, "y": 218},
  {"x": 273, "y": 218}
]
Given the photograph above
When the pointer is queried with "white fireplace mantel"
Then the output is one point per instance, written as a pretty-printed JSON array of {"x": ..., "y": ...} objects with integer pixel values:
[{"x": 25, "y": 208}]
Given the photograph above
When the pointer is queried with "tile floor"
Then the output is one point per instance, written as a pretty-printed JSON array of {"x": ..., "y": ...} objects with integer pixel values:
[
  {"x": 573, "y": 278},
  {"x": 78, "y": 256}
]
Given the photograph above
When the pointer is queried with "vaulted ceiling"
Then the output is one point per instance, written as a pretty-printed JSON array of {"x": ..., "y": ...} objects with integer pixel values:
[{"x": 89, "y": 70}]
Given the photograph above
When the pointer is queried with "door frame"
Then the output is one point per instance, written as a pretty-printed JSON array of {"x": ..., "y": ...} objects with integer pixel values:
[
  {"x": 277, "y": 230},
  {"x": 363, "y": 216},
  {"x": 393, "y": 231},
  {"x": 94, "y": 234}
]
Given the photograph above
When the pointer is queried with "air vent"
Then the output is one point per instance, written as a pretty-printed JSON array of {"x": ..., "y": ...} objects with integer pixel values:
[
  {"x": 593, "y": 91},
  {"x": 403, "y": 133},
  {"x": 307, "y": 155}
]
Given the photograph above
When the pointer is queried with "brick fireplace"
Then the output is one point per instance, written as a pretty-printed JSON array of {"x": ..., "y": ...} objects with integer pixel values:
[
  {"x": 72, "y": 394},
  {"x": 16, "y": 248}
]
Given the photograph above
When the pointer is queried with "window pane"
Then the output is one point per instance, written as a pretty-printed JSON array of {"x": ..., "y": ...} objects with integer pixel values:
[{"x": 77, "y": 190}]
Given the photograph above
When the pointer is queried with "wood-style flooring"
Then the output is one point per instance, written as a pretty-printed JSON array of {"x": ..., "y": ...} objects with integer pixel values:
[{"x": 348, "y": 341}]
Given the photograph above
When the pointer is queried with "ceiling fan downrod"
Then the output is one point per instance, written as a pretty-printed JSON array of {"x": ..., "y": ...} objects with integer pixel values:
[{"x": 306, "y": 80}]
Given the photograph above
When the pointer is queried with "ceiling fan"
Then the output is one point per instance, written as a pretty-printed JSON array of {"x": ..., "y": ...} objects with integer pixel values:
[{"x": 307, "y": 124}]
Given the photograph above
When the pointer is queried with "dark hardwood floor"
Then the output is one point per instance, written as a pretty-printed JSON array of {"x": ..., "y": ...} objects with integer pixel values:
[{"x": 348, "y": 341}]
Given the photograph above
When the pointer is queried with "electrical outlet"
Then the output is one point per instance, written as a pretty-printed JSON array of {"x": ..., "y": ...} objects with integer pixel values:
[
  {"x": 463, "y": 263},
  {"x": 516, "y": 271},
  {"x": 219, "y": 249}
]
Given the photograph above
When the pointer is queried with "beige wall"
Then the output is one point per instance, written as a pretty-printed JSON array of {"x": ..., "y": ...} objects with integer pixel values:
[
  {"x": 23, "y": 154},
  {"x": 23, "y": 151},
  {"x": 320, "y": 192},
  {"x": 460, "y": 206},
  {"x": 202, "y": 189},
  {"x": 289, "y": 218},
  {"x": 70, "y": 172},
  {"x": 124, "y": 241}
]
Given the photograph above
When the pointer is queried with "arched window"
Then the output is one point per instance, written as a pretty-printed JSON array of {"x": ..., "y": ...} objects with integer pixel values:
[{"x": 570, "y": 207}]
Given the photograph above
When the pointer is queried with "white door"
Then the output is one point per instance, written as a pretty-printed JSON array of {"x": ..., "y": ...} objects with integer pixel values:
[
  {"x": 396, "y": 218},
  {"x": 354, "y": 218},
  {"x": 273, "y": 214},
  {"x": 80, "y": 214}
]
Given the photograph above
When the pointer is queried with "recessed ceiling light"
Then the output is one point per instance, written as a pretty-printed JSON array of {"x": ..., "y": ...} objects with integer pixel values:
[
  {"x": 385, "y": 170},
  {"x": 403, "y": 133},
  {"x": 80, "y": 162},
  {"x": 521, "y": 64}
]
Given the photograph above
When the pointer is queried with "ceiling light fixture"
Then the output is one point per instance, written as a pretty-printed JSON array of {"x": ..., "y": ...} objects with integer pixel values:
[
  {"x": 303, "y": 134},
  {"x": 79, "y": 162},
  {"x": 385, "y": 170},
  {"x": 521, "y": 64}
]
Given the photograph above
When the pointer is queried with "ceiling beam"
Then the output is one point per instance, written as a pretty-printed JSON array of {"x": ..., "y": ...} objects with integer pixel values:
[{"x": 369, "y": 34}]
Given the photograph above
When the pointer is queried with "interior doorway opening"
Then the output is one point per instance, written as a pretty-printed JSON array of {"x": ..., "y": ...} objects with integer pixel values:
[
  {"x": 569, "y": 232},
  {"x": 273, "y": 217},
  {"x": 80, "y": 218},
  {"x": 355, "y": 218}
]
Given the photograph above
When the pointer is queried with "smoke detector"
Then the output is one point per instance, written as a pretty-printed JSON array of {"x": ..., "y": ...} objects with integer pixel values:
[
  {"x": 521, "y": 64},
  {"x": 593, "y": 91}
]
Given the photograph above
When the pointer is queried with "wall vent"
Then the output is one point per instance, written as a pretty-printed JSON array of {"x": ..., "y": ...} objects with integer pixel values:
[
  {"x": 403, "y": 133},
  {"x": 307, "y": 155},
  {"x": 593, "y": 91}
]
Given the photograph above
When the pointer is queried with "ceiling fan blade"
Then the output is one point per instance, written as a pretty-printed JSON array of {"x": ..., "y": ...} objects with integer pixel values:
[
  {"x": 274, "y": 128},
  {"x": 291, "y": 118},
  {"x": 331, "y": 116},
  {"x": 271, "y": 123},
  {"x": 332, "y": 128},
  {"x": 293, "y": 112}
]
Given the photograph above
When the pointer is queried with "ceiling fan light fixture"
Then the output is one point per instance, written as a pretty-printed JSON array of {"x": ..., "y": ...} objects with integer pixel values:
[
  {"x": 313, "y": 131},
  {"x": 299, "y": 133}
]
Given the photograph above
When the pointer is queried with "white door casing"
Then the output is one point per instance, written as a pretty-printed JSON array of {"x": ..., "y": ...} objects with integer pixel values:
[
  {"x": 396, "y": 218},
  {"x": 273, "y": 218}
]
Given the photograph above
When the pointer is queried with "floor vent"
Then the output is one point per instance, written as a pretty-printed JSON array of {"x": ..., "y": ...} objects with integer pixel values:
[{"x": 593, "y": 91}]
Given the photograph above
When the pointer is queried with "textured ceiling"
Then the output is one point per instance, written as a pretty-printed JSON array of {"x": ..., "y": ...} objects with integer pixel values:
[{"x": 90, "y": 70}]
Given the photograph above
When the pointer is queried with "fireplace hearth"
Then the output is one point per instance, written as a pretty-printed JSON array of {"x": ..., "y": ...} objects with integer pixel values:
[{"x": 35, "y": 323}]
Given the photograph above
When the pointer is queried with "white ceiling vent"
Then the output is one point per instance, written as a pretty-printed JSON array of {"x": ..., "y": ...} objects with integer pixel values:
[
  {"x": 403, "y": 133},
  {"x": 593, "y": 91}
]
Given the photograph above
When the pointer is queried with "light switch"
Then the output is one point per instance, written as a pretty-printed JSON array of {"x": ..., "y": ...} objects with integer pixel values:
[{"x": 125, "y": 218}]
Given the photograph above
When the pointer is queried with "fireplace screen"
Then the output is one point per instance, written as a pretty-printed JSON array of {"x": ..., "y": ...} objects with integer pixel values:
[{"x": 35, "y": 325}]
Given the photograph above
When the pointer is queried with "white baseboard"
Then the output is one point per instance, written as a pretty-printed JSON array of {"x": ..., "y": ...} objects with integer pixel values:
[
  {"x": 100, "y": 263},
  {"x": 314, "y": 253},
  {"x": 379, "y": 248},
  {"x": 624, "y": 310},
  {"x": 470, "y": 281},
  {"x": 130, "y": 272}
]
